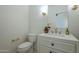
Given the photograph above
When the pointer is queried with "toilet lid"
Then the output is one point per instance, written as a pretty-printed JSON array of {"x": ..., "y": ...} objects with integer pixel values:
[{"x": 24, "y": 45}]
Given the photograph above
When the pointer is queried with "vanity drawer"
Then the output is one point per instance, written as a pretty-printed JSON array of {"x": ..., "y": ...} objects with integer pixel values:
[
  {"x": 43, "y": 49},
  {"x": 48, "y": 39},
  {"x": 57, "y": 51},
  {"x": 45, "y": 42},
  {"x": 64, "y": 47},
  {"x": 64, "y": 41}
]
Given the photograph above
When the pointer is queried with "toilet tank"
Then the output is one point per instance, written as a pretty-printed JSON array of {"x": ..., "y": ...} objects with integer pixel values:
[{"x": 32, "y": 37}]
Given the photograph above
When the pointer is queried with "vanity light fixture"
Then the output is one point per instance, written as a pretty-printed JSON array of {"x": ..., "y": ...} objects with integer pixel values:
[
  {"x": 44, "y": 10},
  {"x": 74, "y": 7}
]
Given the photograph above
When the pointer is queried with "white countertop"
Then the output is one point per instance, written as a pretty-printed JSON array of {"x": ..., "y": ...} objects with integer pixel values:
[{"x": 60, "y": 36}]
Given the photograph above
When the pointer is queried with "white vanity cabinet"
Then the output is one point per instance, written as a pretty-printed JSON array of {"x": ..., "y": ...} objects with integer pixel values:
[{"x": 56, "y": 44}]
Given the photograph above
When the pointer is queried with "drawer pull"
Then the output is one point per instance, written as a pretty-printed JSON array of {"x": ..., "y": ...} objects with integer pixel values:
[
  {"x": 50, "y": 52},
  {"x": 52, "y": 44}
]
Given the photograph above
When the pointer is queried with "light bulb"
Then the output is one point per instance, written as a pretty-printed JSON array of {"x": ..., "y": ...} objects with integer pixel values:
[{"x": 44, "y": 10}]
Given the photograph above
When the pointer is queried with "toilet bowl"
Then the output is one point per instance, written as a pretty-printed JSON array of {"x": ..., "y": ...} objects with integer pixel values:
[
  {"x": 27, "y": 46},
  {"x": 24, "y": 47}
]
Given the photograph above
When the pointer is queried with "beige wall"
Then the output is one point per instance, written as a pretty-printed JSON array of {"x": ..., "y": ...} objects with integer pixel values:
[
  {"x": 37, "y": 21},
  {"x": 13, "y": 24},
  {"x": 74, "y": 22}
]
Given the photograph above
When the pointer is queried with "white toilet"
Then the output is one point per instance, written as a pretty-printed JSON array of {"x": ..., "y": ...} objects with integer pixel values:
[{"x": 27, "y": 46}]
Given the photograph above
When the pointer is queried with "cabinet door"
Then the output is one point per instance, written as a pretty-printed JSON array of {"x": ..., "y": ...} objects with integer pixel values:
[{"x": 43, "y": 49}]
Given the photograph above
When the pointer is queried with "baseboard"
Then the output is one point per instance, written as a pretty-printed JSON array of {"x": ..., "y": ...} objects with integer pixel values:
[{"x": 4, "y": 51}]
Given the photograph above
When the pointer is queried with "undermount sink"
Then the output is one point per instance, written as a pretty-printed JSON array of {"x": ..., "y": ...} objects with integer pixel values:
[{"x": 56, "y": 34}]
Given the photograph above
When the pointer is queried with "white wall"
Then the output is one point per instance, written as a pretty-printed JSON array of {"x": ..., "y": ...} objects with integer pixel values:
[
  {"x": 13, "y": 24},
  {"x": 37, "y": 21},
  {"x": 74, "y": 21}
]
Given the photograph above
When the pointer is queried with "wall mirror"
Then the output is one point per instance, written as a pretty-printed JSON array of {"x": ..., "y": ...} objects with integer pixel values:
[{"x": 58, "y": 15}]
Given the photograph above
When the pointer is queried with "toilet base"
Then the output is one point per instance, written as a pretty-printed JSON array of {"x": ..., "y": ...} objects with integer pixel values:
[{"x": 28, "y": 51}]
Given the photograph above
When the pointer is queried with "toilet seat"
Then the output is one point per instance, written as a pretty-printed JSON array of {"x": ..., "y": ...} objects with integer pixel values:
[{"x": 25, "y": 45}]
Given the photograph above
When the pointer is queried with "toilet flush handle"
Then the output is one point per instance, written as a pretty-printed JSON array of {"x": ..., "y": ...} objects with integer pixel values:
[{"x": 13, "y": 40}]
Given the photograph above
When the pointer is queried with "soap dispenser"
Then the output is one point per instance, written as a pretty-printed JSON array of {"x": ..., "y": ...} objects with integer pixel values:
[{"x": 67, "y": 31}]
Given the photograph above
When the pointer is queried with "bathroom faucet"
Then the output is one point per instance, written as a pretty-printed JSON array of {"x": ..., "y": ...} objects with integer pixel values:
[{"x": 55, "y": 30}]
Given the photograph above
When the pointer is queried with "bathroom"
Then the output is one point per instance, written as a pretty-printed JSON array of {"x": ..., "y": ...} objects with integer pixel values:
[{"x": 19, "y": 23}]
